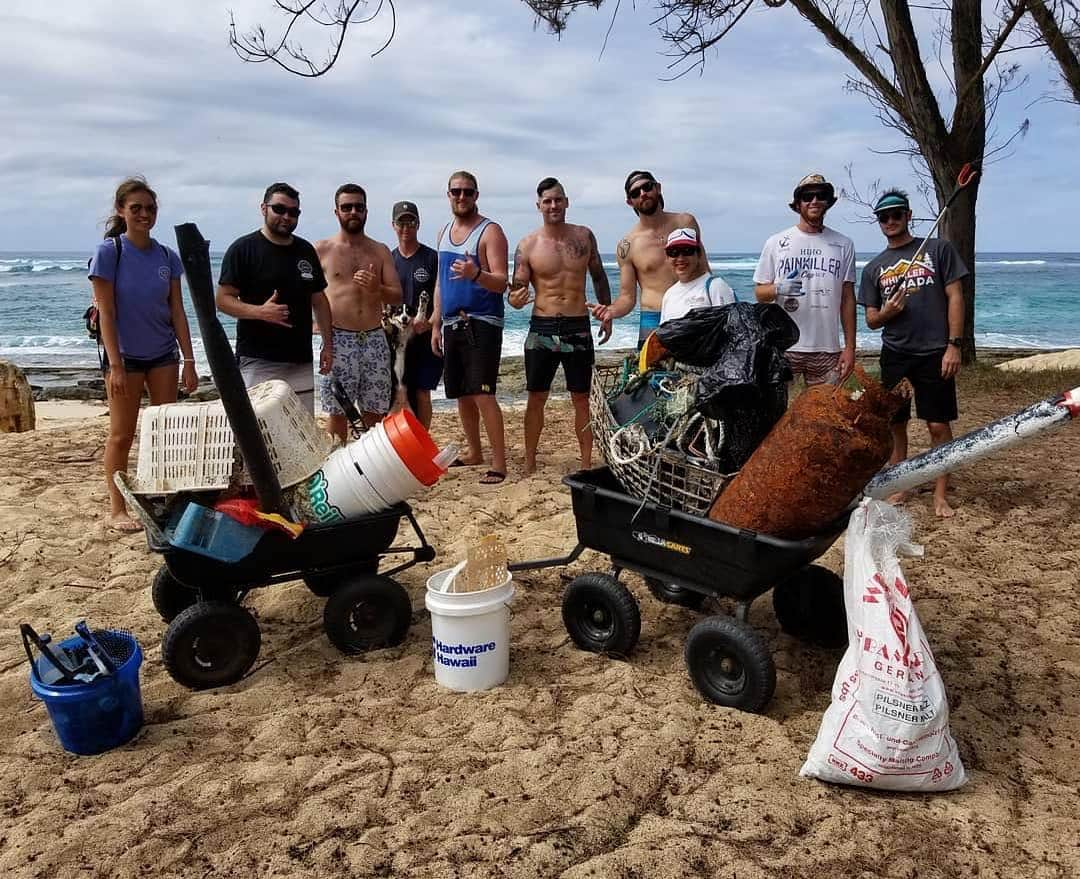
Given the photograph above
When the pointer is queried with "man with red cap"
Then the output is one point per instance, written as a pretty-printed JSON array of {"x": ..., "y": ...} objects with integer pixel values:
[
  {"x": 809, "y": 270},
  {"x": 694, "y": 286}
]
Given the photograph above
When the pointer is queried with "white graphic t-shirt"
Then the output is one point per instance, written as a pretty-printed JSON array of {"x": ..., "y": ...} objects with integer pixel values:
[
  {"x": 824, "y": 261},
  {"x": 703, "y": 291}
]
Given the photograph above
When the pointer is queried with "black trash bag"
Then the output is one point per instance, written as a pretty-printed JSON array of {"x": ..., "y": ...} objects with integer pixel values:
[{"x": 741, "y": 348}]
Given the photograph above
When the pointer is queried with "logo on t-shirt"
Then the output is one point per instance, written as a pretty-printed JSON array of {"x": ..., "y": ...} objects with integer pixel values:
[
  {"x": 306, "y": 271},
  {"x": 164, "y": 273},
  {"x": 918, "y": 275},
  {"x": 783, "y": 243},
  {"x": 421, "y": 275},
  {"x": 791, "y": 304}
]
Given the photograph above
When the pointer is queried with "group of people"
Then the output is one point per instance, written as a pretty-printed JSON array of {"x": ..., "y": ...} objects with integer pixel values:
[{"x": 281, "y": 289}]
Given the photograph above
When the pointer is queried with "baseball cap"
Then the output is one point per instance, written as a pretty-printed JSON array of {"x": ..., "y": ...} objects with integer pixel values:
[
  {"x": 636, "y": 177},
  {"x": 892, "y": 200},
  {"x": 681, "y": 237},
  {"x": 403, "y": 208}
]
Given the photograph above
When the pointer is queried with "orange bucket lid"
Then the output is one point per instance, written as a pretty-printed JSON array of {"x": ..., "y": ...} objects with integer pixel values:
[{"x": 413, "y": 445}]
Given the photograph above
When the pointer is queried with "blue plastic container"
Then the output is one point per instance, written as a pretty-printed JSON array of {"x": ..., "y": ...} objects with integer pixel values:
[
  {"x": 94, "y": 717},
  {"x": 215, "y": 535}
]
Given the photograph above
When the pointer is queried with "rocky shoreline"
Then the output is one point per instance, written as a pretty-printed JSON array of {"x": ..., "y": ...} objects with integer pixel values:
[{"x": 86, "y": 383}]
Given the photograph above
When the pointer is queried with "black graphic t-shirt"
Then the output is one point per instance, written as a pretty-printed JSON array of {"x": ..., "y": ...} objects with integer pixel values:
[
  {"x": 257, "y": 267},
  {"x": 417, "y": 274},
  {"x": 923, "y": 325}
]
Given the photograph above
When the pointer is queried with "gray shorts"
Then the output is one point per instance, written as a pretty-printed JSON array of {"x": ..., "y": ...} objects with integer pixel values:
[
  {"x": 299, "y": 376},
  {"x": 362, "y": 365}
]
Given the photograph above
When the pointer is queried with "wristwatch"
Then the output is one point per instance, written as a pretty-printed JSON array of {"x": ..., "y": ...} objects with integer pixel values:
[{"x": 958, "y": 341}]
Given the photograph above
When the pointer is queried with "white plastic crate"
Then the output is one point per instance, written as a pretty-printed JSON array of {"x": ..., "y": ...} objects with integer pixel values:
[{"x": 191, "y": 447}]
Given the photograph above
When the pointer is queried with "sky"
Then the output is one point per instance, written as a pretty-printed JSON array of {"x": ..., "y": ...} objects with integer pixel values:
[{"x": 99, "y": 89}]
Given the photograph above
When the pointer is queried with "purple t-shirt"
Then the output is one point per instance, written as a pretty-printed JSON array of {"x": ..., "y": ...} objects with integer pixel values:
[{"x": 143, "y": 318}]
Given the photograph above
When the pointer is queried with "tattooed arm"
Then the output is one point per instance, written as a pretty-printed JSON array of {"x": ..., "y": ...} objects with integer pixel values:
[
  {"x": 519, "y": 286},
  {"x": 627, "y": 286},
  {"x": 600, "y": 285}
]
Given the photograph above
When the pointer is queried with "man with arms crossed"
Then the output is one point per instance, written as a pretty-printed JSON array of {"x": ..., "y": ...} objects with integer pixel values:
[
  {"x": 809, "y": 269},
  {"x": 554, "y": 259},
  {"x": 417, "y": 268},
  {"x": 360, "y": 279},
  {"x": 641, "y": 257},
  {"x": 919, "y": 307},
  {"x": 271, "y": 282},
  {"x": 467, "y": 324}
]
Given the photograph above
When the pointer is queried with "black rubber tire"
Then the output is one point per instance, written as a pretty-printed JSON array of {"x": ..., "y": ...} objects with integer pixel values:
[
  {"x": 170, "y": 596},
  {"x": 367, "y": 613},
  {"x": 601, "y": 615},
  {"x": 325, "y": 585},
  {"x": 211, "y": 644},
  {"x": 669, "y": 593},
  {"x": 809, "y": 606},
  {"x": 729, "y": 664}
]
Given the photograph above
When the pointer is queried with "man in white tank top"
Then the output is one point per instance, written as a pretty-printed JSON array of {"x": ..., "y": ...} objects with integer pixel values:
[{"x": 809, "y": 270}]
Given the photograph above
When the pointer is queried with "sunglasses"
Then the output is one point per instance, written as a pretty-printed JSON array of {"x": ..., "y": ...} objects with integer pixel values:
[
  {"x": 889, "y": 216},
  {"x": 142, "y": 208},
  {"x": 348, "y": 207},
  {"x": 281, "y": 210},
  {"x": 681, "y": 250},
  {"x": 463, "y": 192},
  {"x": 807, "y": 197},
  {"x": 647, "y": 186},
  {"x": 404, "y": 223}
]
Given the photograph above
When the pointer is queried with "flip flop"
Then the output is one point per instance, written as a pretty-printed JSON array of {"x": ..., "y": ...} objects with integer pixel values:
[
  {"x": 457, "y": 462},
  {"x": 128, "y": 527},
  {"x": 492, "y": 477}
]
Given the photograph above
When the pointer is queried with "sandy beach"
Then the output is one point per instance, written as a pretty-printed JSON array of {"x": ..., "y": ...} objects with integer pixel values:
[{"x": 322, "y": 765}]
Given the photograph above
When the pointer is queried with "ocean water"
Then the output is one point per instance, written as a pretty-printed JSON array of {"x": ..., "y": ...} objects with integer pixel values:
[{"x": 1026, "y": 300}]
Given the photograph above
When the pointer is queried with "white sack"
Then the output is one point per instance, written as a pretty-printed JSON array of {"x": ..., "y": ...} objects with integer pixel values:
[{"x": 888, "y": 724}]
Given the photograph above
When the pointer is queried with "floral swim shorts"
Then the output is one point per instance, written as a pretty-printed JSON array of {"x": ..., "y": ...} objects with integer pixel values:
[{"x": 362, "y": 365}]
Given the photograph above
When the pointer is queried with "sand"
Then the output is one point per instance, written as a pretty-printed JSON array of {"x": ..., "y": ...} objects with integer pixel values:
[{"x": 581, "y": 765}]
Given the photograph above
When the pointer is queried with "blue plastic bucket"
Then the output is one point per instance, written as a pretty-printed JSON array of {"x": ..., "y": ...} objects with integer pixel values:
[{"x": 94, "y": 717}]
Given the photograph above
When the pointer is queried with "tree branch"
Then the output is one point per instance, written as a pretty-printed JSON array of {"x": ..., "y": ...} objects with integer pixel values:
[
  {"x": 995, "y": 48},
  {"x": 1058, "y": 44}
]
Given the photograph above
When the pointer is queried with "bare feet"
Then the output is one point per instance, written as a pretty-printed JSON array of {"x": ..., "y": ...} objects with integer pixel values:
[
  {"x": 123, "y": 522},
  {"x": 897, "y": 498},
  {"x": 942, "y": 508},
  {"x": 530, "y": 466}
]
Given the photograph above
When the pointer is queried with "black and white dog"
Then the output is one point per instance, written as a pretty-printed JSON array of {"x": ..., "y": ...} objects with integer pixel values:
[{"x": 398, "y": 325}]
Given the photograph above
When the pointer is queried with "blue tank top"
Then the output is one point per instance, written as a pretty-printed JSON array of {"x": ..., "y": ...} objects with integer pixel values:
[{"x": 459, "y": 294}]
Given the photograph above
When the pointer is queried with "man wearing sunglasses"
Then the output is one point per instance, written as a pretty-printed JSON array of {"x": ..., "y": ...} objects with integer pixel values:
[
  {"x": 467, "y": 323},
  {"x": 912, "y": 292},
  {"x": 640, "y": 254},
  {"x": 694, "y": 286},
  {"x": 360, "y": 279},
  {"x": 555, "y": 260},
  {"x": 271, "y": 282},
  {"x": 809, "y": 270}
]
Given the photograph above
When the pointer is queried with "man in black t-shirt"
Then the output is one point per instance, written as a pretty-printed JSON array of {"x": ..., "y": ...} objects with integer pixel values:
[
  {"x": 912, "y": 292},
  {"x": 417, "y": 267},
  {"x": 271, "y": 282}
]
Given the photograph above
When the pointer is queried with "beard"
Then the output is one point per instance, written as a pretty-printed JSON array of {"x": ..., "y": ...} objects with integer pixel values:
[
  {"x": 648, "y": 209},
  {"x": 351, "y": 225},
  {"x": 464, "y": 210}
]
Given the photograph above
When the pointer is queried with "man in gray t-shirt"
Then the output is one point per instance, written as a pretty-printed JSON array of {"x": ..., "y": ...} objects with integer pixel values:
[{"x": 912, "y": 292}]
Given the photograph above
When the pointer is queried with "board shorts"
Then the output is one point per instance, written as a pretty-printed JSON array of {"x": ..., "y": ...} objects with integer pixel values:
[
  {"x": 362, "y": 365},
  {"x": 298, "y": 376},
  {"x": 817, "y": 367},
  {"x": 649, "y": 321},
  {"x": 472, "y": 350},
  {"x": 935, "y": 397},
  {"x": 423, "y": 367},
  {"x": 559, "y": 340}
]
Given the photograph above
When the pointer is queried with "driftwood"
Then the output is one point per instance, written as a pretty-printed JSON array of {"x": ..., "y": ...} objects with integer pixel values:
[{"x": 16, "y": 400}]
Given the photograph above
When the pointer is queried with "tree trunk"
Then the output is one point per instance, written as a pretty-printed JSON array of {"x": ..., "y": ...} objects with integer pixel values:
[
  {"x": 16, "y": 400},
  {"x": 958, "y": 228}
]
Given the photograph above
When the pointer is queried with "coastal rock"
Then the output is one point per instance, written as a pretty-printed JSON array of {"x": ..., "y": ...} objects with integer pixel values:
[{"x": 16, "y": 400}]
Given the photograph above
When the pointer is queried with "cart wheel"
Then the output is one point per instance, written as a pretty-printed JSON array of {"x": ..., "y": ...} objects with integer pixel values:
[
  {"x": 601, "y": 615},
  {"x": 809, "y": 606},
  {"x": 325, "y": 585},
  {"x": 366, "y": 613},
  {"x": 730, "y": 664},
  {"x": 669, "y": 593},
  {"x": 170, "y": 596},
  {"x": 210, "y": 644}
]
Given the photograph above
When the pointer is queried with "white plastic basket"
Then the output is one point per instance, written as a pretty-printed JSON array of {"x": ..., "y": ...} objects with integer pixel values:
[{"x": 191, "y": 447}]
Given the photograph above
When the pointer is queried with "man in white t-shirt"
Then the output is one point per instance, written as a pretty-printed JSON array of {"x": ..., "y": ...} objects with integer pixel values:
[
  {"x": 809, "y": 270},
  {"x": 694, "y": 286}
]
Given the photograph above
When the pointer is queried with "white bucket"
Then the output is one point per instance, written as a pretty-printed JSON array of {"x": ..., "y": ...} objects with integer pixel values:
[
  {"x": 470, "y": 634},
  {"x": 338, "y": 491},
  {"x": 383, "y": 468}
]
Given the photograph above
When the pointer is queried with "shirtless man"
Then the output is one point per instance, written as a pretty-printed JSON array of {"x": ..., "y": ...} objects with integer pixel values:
[
  {"x": 360, "y": 278},
  {"x": 554, "y": 259},
  {"x": 642, "y": 261}
]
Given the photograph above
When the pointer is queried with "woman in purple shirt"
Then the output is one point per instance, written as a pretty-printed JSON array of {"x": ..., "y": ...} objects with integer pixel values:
[{"x": 141, "y": 314}]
